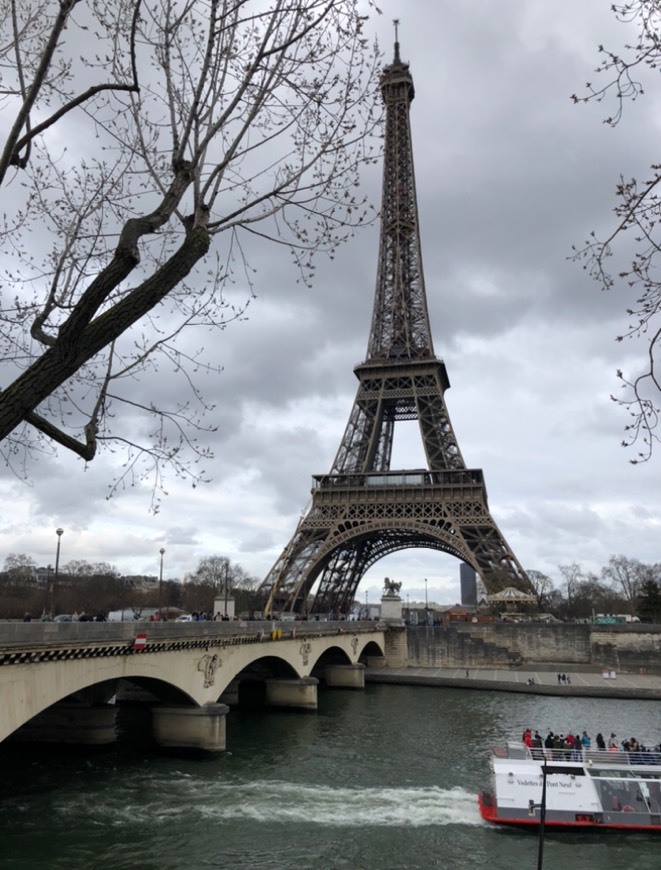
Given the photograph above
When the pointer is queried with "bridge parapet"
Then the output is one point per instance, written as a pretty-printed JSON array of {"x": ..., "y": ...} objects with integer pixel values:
[{"x": 28, "y": 643}]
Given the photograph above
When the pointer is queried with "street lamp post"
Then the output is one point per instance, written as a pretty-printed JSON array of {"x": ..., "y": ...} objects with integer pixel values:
[
  {"x": 49, "y": 588},
  {"x": 59, "y": 533},
  {"x": 426, "y": 604},
  {"x": 160, "y": 585},
  {"x": 532, "y": 806}
]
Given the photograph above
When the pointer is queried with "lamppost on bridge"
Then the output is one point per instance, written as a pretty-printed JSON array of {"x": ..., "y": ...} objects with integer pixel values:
[
  {"x": 226, "y": 586},
  {"x": 59, "y": 533},
  {"x": 160, "y": 585},
  {"x": 49, "y": 590},
  {"x": 426, "y": 604}
]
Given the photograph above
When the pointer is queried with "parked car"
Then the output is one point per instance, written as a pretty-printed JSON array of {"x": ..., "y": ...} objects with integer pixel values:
[
  {"x": 63, "y": 617},
  {"x": 185, "y": 617}
]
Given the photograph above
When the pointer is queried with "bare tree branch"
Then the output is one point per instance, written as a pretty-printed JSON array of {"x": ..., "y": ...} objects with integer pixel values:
[
  {"x": 175, "y": 131},
  {"x": 638, "y": 213}
]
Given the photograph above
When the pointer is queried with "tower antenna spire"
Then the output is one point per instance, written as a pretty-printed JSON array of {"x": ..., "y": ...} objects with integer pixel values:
[{"x": 396, "y": 23}]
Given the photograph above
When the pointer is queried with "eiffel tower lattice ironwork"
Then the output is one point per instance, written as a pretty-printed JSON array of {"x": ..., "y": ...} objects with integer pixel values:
[{"x": 362, "y": 510}]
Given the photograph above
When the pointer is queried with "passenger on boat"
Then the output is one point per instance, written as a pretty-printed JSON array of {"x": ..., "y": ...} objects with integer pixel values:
[
  {"x": 585, "y": 740},
  {"x": 577, "y": 754},
  {"x": 612, "y": 745},
  {"x": 601, "y": 743}
]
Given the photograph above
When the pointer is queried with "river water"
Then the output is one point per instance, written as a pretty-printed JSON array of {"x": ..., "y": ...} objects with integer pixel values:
[{"x": 386, "y": 778}]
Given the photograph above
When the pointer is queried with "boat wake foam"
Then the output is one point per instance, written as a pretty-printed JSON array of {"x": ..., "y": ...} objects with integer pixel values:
[{"x": 274, "y": 801}]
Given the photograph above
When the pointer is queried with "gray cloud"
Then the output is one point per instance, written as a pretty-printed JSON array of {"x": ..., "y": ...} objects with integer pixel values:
[{"x": 510, "y": 174}]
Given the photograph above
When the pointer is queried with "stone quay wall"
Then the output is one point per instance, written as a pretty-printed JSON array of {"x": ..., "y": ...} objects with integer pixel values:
[{"x": 633, "y": 648}]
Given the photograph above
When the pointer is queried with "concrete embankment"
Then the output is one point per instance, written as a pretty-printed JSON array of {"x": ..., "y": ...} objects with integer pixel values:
[
  {"x": 534, "y": 680},
  {"x": 505, "y": 646}
]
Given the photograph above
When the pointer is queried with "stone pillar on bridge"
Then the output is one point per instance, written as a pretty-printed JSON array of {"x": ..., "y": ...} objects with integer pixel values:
[
  {"x": 396, "y": 646},
  {"x": 299, "y": 693},
  {"x": 345, "y": 676},
  {"x": 191, "y": 727}
]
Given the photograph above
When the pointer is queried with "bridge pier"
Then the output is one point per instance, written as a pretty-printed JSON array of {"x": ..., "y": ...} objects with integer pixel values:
[
  {"x": 292, "y": 693},
  {"x": 345, "y": 676},
  {"x": 191, "y": 727},
  {"x": 375, "y": 661},
  {"x": 230, "y": 694},
  {"x": 72, "y": 723}
]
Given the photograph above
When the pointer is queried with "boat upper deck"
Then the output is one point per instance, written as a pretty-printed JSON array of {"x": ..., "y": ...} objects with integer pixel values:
[{"x": 604, "y": 759}]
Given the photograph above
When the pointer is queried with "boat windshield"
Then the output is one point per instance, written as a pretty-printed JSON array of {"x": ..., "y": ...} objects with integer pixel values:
[{"x": 623, "y": 794}]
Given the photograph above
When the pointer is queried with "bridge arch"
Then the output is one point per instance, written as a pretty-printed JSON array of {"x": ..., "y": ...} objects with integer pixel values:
[{"x": 334, "y": 655}]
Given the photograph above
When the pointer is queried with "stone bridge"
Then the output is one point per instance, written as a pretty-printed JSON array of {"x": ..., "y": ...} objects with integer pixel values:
[{"x": 68, "y": 682}]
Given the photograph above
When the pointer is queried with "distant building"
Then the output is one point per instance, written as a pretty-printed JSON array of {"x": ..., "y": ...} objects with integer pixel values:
[
  {"x": 482, "y": 597},
  {"x": 140, "y": 581},
  {"x": 468, "y": 581}
]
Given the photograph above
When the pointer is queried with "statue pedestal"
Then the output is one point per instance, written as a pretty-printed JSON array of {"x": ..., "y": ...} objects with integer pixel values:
[
  {"x": 223, "y": 606},
  {"x": 391, "y": 608}
]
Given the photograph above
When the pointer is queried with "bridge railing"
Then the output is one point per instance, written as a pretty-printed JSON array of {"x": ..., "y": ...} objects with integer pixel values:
[{"x": 18, "y": 641}]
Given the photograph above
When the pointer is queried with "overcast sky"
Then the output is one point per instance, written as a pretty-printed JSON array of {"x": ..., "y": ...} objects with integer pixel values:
[{"x": 510, "y": 173}]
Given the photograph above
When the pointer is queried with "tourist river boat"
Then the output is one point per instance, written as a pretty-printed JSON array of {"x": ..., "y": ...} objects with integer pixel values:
[{"x": 574, "y": 788}]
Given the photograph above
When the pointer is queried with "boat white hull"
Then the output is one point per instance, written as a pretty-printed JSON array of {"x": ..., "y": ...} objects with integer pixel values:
[{"x": 586, "y": 789}]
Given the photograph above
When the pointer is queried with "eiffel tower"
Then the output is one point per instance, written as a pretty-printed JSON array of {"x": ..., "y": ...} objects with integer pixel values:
[{"x": 363, "y": 510}]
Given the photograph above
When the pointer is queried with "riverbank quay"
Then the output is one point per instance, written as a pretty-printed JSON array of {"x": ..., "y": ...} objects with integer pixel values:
[{"x": 533, "y": 680}]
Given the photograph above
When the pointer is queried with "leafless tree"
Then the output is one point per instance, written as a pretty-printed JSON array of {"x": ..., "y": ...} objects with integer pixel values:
[
  {"x": 626, "y": 575},
  {"x": 214, "y": 571},
  {"x": 541, "y": 584},
  {"x": 148, "y": 144},
  {"x": 20, "y": 568},
  {"x": 637, "y": 222},
  {"x": 79, "y": 569},
  {"x": 572, "y": 575}
]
